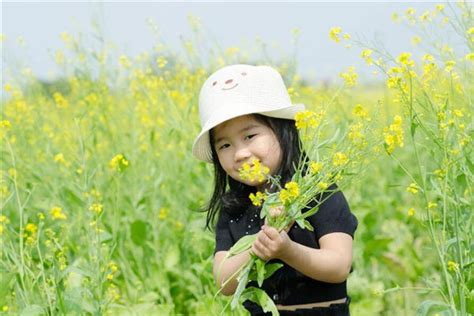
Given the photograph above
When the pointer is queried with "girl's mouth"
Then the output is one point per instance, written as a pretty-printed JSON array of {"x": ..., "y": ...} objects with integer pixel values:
[{"x": 231, "y": 87}]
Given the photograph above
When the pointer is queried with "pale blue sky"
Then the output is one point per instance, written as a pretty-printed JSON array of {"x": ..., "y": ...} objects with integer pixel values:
[{"x": 232, "y": 24}]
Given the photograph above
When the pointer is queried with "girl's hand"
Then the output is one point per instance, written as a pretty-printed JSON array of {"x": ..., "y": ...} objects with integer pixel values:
[
  {"x": 270, "y": 244},
  {"x": 275, "y": 212}
]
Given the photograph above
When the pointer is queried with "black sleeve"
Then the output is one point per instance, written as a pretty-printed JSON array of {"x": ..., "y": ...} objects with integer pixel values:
[
  {"x": 224, "y": 240},
  {"x": 333, "y": 216}
]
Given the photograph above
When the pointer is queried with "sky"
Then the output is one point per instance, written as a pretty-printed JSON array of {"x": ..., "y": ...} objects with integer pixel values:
[{"x": 229, "y": 24}]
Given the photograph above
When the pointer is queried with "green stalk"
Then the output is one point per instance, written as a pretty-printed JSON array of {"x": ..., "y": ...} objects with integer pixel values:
[
  {"x": 430, "y": 220},
  {"x": 20, "y": 208}
]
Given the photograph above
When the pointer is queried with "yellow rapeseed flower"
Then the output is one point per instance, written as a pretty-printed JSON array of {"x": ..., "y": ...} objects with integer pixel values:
[
  {"x": 449, "y": 65},
  {"x": 339, "y": 159},
  {"x": 322, "y": 185},
  {"x": 96, "y": 208},
  {"x": 31, "y": 228},
  {"x": 432, "y": 205},
  {"x": 57, "y": 213},
  {"x": 161, "y": 61},
  {"x": 439, "y": 7},
  {"x": 5, "y": 124},
  {"x": 59, "y": 158},
  {"x": 411, "y": 212},
  {"x": 307, "y": 119},
  {"x": 334, "y": 34},
  {"x": 412, "y": 188},
  {"x": 350, "y": 77},
  {"x": 256, "y": 172},
  {"x": 452, "y": 266},
  {"x": 367, "y": 56},
  {"x": 428, "y": 58},
  {"x": 360, "y": 111},
  {"x": 290, "y": 192},
  {"x": 119, "y": 163},
  {"x": 61, "y": 102},
  {"x": 315, "y": 167},
  {"x": 405, "y": 59},
  {"x": 258, "y": 198},
  {"x": 425, "y": 17},
  {"x": 163, "y": 213},
  {"x": 393, "y": 134}
]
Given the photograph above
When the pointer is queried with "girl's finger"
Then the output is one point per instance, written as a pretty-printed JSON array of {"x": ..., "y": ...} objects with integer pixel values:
[{"x": 271, "y": 233}]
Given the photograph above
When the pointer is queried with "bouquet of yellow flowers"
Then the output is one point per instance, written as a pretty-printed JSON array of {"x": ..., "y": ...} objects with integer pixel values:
[{"x": 327, "y": 161}]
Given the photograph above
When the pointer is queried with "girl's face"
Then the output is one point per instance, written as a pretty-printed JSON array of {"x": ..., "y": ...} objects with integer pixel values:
[{"x": 243, "y": 139}]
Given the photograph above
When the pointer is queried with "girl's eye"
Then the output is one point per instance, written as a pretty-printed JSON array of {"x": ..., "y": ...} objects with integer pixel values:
[
  {"x": 223, "y": 146},
  {"x": 250, "y": 136}
]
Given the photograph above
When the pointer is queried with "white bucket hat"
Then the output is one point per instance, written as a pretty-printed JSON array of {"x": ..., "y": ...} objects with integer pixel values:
[{"x": 237, "y": 90}]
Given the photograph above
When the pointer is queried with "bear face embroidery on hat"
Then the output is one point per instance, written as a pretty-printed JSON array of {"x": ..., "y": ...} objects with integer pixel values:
[{"x": 230, "y": 83}]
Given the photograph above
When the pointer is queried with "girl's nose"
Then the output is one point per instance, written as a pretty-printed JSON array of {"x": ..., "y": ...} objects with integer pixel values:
[
  {"x": 242, "y": 154},
  {"x": 229, "y": 81}
]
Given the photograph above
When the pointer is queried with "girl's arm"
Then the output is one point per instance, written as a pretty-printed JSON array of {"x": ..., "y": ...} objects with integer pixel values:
[
  {"x": 225, "y": 268},
  {"x": 331, "y": 263}
]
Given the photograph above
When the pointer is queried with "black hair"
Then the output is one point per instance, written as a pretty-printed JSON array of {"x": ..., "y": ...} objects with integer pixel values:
[{"x": 236, "y": 199}]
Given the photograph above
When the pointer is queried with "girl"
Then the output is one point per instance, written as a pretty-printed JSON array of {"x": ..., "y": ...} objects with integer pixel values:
[{"x": 246, "y": 114}]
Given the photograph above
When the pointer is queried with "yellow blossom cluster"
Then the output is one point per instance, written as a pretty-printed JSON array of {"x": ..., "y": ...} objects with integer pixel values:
[
  {"x": 308, "y": 119},
  {"x": 31, "y": 230},
  {"x": 334, "y": 33},
  {"x": 413, "y": 188},
  {"x": 350, "y": 77},
  {"x": 290, "y": 192},
  {"x": 453, "y": 266},
  {"x": 258, "y": 198},
  {"x": 360, "y": 112},
  {"x": 61, "y": 102},
  {"x": 163, "y": 213},
  {"x": 256, "y": 172},
  {"x": 119, "y": 163},
  {"x": 367, "y": 56},
  {"x": 57, "y": 213},
  {"x": 339, "y": 159},
  {"x": 113, "y": 270},
  {"x": 323, "y": 185},
  {"x": 315, "y": 167},
  {"x": 393, "y": 134},
  {"x": 405, "y": 59},
  {"x": 96, "y": 208}
]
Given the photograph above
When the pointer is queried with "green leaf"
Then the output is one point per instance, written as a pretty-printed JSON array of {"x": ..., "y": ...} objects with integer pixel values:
[
  {"x": 260, "y": 266},
  {"x": 308, "y": 225},
  {"x": 311, "y": 211},
  {"x": 271, "y": 268},
  {"x": 138, "y": 231},
  {"x": 243, "y": 278},
  {"x": 261, "y": 298},
  {"x": 427, "y": 306},
  {"x": 242, "y": 244}
]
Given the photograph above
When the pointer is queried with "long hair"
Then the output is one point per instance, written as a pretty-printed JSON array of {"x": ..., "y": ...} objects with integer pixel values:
[{"x": 236, "y": 199}]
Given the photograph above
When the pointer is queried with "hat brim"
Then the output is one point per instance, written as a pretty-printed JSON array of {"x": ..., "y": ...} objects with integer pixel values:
[{"x": 201, "y": 146}]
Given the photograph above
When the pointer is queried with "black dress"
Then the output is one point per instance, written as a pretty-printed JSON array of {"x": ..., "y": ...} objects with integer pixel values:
[{"x": 288, "y": 286}]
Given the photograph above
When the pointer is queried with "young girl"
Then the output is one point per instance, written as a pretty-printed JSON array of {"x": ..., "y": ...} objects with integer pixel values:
[{"x": 246, "y": 114}]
